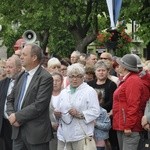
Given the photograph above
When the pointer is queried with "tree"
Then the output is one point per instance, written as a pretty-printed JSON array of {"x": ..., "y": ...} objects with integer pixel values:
[
  {"x": 138, "y": 11},
  {"x": 65, "y": 26},
  {"x": 78, "y": 17},
  {"x": 27, "y": 15}
]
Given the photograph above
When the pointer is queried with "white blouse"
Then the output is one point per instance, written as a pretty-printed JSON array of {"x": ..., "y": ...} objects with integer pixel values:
[{"x": 84, "y": 100}]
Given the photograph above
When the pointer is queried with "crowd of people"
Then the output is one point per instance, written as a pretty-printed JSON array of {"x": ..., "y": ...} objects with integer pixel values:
[{"x": 58, "y": 105}]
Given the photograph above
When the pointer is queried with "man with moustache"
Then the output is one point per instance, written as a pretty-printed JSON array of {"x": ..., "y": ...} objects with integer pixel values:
[{"x": 13, "y": 67}]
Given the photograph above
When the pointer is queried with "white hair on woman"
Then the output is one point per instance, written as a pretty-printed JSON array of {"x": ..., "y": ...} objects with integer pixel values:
[
  {"x": 53, "y": 61},
  {"x": 75, "y": 69}
]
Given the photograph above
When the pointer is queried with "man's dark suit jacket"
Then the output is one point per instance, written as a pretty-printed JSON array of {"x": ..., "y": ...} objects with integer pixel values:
[
  {"x": 5, "y": 127},
  {"x": 4, "y": 84},
  {"x": 34, "y": 115}
]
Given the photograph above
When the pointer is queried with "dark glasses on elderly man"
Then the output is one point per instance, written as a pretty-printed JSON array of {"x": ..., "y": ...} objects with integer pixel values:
[{"x": 104, "y": 58}]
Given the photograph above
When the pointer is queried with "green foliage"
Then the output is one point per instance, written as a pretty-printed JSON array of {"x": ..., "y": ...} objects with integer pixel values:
[
  {"x": 122, "y": 51},
  {"x": 9, "y": 36},
  {"x": 103, "y": 21},
  {"x": 63, "y": 25},
  {"x": 139, "y": 12},
  {"x": 29, "y": 15},
  {"x": 61, "y": 43}
]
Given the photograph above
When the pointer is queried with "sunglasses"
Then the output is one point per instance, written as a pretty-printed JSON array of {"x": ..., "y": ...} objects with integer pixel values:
[{"x": 104, "y": 58}]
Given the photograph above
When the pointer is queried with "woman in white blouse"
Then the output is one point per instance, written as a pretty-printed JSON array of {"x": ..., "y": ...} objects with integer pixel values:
[
  {"x": 57, "y": 87},
  {"x": 78, "y": 108}
]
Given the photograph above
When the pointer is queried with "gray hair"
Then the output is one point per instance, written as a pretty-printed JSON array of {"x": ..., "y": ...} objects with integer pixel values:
[
  {"x": 57, "y": 74},
  {"x": 36, "y": 50},
  {"x": 1, "y": 70},
  {"x": 77, "y": 53},
  {"x": 103, "y": 64},
  {"x": 17, "y": 60},
  {"x": 76, "y": 68},
  {"x": 53, "y": 61}
]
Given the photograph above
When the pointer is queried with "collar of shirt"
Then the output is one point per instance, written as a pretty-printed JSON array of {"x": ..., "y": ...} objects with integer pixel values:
[
  {"x": 76, "y": 89},
  {"x": 29, "y": 78},
  {"x": 126, "y": 76},
  {"x": 32, "y": 72}
]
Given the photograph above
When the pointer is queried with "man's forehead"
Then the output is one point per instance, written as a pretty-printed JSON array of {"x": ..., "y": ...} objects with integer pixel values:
[
  {"x": 104, "y": 55},
  {"x": 27, "y": 48}
]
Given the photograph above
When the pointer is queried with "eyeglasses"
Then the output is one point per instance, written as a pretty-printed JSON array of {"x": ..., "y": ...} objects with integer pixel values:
[
  {"x": 62, "y": 69},
  {"x": 76, "y": 77},
  {"x": 56, "y": 67},
  {"x": 17, "y": 55},
  {"x": 104, "y": 58}
]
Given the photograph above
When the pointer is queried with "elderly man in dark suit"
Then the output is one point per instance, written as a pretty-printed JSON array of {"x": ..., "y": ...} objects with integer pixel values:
[
  {"x": 13, "y": 68},
  {"x": 28, "y": 103}
]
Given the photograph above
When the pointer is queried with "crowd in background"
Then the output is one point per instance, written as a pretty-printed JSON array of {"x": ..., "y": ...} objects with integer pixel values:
[{"x": 99, "y": 96}]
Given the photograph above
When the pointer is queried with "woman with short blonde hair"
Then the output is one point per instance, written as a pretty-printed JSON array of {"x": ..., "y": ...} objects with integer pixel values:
[{"x": 53, "y": 65}]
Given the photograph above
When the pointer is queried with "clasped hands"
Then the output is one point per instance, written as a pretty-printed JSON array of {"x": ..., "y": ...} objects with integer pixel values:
[
  {"x": 72, "y": 112},
  {"x": 13, "y": 121}
]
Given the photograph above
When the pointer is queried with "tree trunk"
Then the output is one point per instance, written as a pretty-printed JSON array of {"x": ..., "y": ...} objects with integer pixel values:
[
  {"x": 81, "y": 46},
  {"x": 43, "y": 39}
]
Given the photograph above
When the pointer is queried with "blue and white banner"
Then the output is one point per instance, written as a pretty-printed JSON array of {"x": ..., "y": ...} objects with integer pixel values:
[
  {"x": 117, "y": 8},
  {"x": 111, "y": 14},
  {"x": 114, "y": 7}
]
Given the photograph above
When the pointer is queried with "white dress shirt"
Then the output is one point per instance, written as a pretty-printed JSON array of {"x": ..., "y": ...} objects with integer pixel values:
[
  {"x": 29, "y": 78},
  {"x": 11, "y": 84}
]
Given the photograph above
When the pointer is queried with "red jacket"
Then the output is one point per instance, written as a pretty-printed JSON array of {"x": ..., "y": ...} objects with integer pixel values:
[
  {"x": 127, "y": 102},
  {"x": 145, "y": 76}
]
